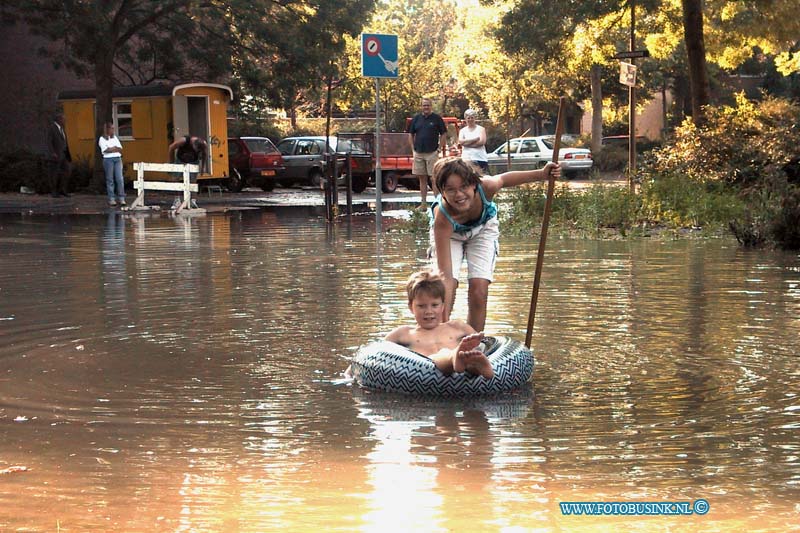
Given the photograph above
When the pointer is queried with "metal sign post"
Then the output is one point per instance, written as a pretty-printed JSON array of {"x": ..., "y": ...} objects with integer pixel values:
[
  {"x": 377, "y": 149},
  {"x": 379, "y": 59}
]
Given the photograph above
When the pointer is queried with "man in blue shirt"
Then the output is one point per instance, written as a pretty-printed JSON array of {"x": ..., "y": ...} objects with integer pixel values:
[{"x": 428, "y": 136}]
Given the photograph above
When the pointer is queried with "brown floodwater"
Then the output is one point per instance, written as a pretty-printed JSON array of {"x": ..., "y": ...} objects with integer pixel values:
[{"x": 161, "y": 374}]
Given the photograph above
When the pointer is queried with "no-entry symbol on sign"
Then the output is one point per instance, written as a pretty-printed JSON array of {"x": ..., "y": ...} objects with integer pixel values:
[
  {"x": 379, "y": 55},
  {"x": 372, "y": 46}
]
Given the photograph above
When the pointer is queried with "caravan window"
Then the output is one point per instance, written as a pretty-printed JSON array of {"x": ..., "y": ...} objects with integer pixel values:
[{"x": 123, "y": 121}]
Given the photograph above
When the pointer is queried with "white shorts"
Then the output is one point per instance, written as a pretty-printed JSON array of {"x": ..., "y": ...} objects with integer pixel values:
[
  {"x": 480, "y": 246},
  {"x": 422, "y": 164}
]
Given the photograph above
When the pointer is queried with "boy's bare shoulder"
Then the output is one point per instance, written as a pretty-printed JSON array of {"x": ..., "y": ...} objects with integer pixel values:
[
  {"x": 400, "y": 335},
  {"x": 461, "y": 326}
]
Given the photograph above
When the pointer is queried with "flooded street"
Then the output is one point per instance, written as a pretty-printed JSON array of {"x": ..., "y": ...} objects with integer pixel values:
[{"x": 180, "y": 374}]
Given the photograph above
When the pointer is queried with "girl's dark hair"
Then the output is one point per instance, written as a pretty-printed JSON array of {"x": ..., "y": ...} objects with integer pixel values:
[{"x": 445, "y": 167}]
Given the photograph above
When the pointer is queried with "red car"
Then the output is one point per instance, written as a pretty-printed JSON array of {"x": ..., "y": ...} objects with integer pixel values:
[{"x": 253, "y": 161}]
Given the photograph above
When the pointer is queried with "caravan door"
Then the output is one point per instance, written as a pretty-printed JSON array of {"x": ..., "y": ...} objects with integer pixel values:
[{"x": 190, "y": 117}]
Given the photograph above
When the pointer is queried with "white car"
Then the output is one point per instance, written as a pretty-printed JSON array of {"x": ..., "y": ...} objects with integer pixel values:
[{"x": 534, "y": 152}]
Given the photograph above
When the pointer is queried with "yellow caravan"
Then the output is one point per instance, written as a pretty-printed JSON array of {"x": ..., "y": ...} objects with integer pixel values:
[{"x": 148, "y": 117}]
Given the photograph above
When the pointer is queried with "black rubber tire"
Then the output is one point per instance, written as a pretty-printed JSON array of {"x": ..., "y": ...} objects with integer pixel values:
[
  {"x": 235, "y": 182},
  {"x": 389, "y": 182},
  {"x": 315, "y": 177},
  {"x": 359, "y": 184}
]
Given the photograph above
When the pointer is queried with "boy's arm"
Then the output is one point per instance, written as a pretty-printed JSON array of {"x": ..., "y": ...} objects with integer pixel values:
[{"x": 442, "y": 231}]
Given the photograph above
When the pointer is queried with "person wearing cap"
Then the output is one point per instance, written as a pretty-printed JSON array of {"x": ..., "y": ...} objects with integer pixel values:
[{"x": 472, "y": 138}]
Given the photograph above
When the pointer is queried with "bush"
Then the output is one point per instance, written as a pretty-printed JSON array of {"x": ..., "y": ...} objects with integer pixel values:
[
  {"x": 673, "y": 203},
  {"x": 679, "y": 202},
  {"x": 737, "y": 144},
  {"x": 81, "y": 177},
  {"x": 600, "y": 207},
  {"x": 611, "y": 159},
  {"x": 752, "y": 146},
  {"x": 605, "y": 206},
  {"x": 786, "y": 224},
  {"x": 23, "y": 168}
]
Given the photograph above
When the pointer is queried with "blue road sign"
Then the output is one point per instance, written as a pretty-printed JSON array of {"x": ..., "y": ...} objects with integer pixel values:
[{"x": 379, "y": 55}]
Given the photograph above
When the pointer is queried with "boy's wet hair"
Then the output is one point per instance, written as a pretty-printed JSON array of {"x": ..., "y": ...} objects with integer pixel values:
[
  {"x": 447, "y": 166},
  {"x": 425, "y": 282}
]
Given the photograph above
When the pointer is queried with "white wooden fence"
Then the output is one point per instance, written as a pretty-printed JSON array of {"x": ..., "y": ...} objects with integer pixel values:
[{"x": 188, "y": 188}]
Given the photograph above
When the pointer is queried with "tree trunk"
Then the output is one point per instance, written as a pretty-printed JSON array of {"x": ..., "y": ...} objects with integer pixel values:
[
  {"x": 696, "y": 52},
  {"x": 104, "y": 85},
  {"x": 597, "y": 109}
]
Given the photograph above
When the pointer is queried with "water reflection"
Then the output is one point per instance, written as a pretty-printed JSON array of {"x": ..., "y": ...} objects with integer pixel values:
[
  {"x": 444, "y": 456},
  {"x": 165, "y": 373}
]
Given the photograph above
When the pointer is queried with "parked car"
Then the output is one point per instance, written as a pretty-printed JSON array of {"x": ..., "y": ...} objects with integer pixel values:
[
  {"x": 253, "y": 161},
  {"x": 534, "y": 152},
  {"x": 304, "y": 159}
]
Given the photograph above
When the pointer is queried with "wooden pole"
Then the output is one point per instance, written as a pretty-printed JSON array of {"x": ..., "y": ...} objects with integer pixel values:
[
  {"x": 632, "y": 109},
  {"x": 548, "y": 205}
]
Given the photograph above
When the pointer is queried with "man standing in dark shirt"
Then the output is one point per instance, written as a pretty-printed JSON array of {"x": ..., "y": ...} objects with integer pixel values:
[
  {"x": 59, "y": 157},
  {"x": 428, "y": 136}
]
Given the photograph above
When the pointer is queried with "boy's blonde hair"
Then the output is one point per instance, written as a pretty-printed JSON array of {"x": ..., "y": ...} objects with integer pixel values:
[
  {"x": 425, "y": 282},
  {"x": 445, "y": 167}
]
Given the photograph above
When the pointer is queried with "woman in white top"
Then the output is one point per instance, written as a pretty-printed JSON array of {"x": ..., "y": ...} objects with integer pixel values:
[
  {"x": 111, "y": 149},
  {"x": 472, "y": 138}
]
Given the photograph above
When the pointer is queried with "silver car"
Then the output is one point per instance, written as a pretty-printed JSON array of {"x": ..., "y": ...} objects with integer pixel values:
[
  {"x": 304, "y": 159},
  {"x": 527, "y": 153}
]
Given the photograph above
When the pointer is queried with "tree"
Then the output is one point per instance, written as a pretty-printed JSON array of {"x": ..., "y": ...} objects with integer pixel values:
[
  {"x": 181, "y": 36},
  {"x": 696, "y": 53},
  {"x": 422, "y": 29},
  {"x": 575, "y": 39}
]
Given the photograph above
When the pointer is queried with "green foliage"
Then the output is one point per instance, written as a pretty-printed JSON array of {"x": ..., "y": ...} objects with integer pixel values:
[
  {"x": 261, "y": 128},
  {"x": 746, "y": 149},
  {"x": 672, "y": 203},
  {"x": 611, "y": 158},
  {"x": 278, "y": 52},
  {"x": 786, "y": 224},
  {"x": 771, "y": 215},
  {"x": 738, "y": 144},
  {"x": 604, "y": 206},
  {"x": 678, "y": 202},
  {"x": 23, "y": 168},
  {"x": 417, "y": 224},
  {"x": 81, "y": 176},
  {"x": 589, "y": 212}
]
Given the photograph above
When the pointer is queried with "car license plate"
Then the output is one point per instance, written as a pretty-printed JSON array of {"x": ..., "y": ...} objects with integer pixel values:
[
  {"x": 267, "y": 172},
  {"x": 580, "y": 156}
]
